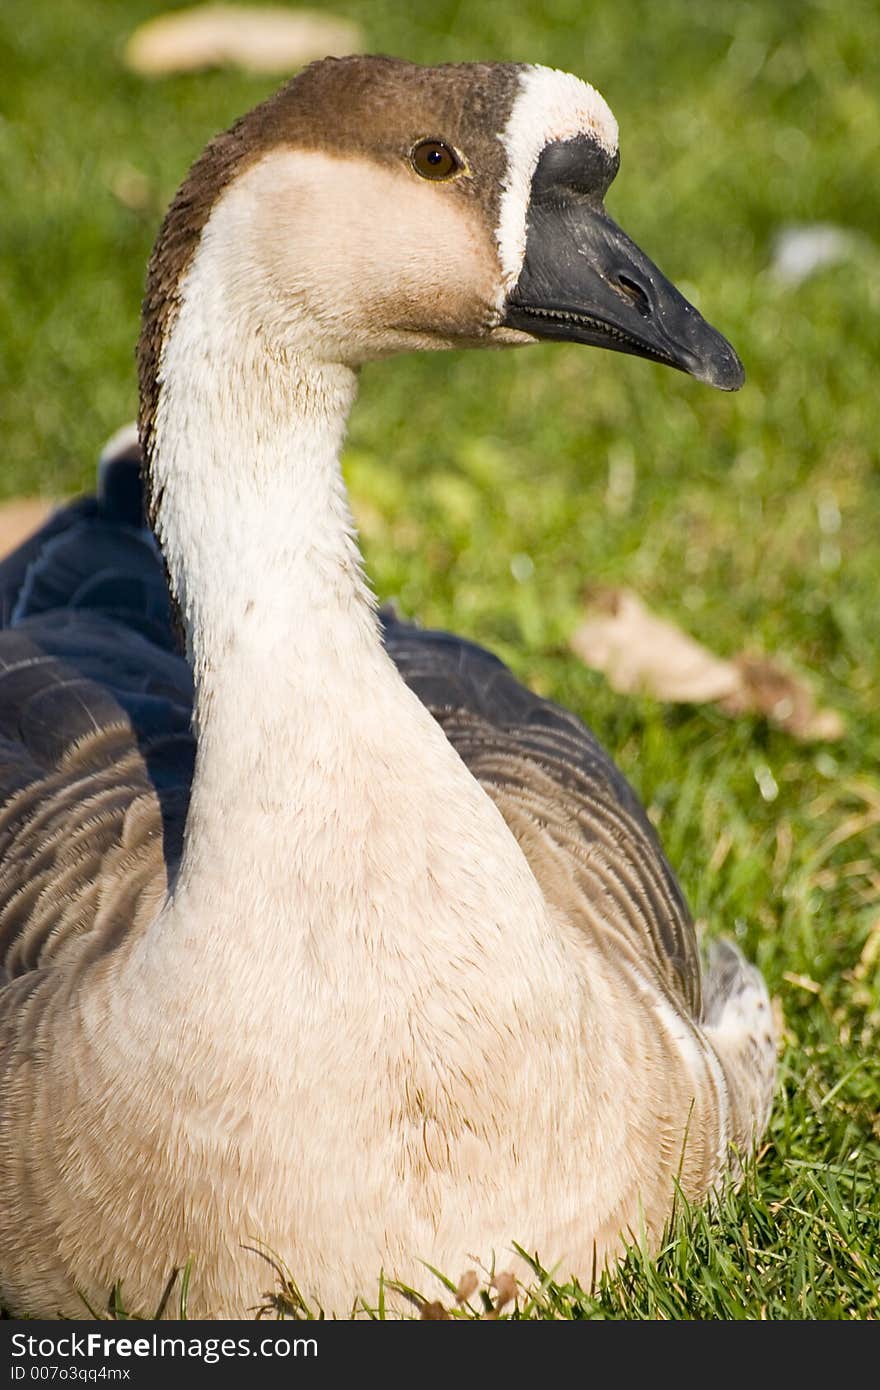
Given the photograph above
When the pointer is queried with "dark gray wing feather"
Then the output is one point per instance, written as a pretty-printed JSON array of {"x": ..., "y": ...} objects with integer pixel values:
[
  {"x": 96, "y": 753},
  {"x": 584, "y": 830}
]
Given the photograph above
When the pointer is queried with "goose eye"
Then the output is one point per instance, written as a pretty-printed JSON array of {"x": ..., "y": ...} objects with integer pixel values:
[{"x": 434, "y": 160}]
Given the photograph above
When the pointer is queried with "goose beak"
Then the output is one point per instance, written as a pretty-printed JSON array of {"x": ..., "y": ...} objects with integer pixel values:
[{"x": 584, "y": 281}]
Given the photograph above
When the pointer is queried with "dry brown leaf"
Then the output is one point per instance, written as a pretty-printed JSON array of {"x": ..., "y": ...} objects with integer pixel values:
[
  {"x": 19, "y": 518},
  {"x": 434, "y": 1312},
  {"x": 786, "y": 701},
  {"x": 265, "y": 39},
  {"x": 504, "y": 1284},
  {"x": 639, "y": 652},
  {"x": 467, "y": 1285}
]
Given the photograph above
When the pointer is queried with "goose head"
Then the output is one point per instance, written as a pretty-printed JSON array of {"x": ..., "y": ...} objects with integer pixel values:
[{"x": 373, "y": 206}]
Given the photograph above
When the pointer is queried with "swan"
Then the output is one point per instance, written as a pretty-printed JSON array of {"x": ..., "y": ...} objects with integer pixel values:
[{"x": 332, "y": 935}]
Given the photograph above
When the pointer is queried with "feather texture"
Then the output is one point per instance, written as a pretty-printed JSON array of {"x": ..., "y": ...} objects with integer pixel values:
[{"x": 96, "y": 750}]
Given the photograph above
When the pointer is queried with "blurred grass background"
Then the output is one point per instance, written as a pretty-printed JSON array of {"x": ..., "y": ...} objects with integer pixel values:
[{"x": 490, "y": 489}]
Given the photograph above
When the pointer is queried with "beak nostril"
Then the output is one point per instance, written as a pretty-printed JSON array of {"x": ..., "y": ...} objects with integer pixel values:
[{"x": 634, "y": 293}]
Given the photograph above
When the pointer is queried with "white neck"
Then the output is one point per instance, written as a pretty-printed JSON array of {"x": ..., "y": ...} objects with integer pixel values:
[
  {"x": 328, "y": 808},
  {"x": 253, "y": 516}
]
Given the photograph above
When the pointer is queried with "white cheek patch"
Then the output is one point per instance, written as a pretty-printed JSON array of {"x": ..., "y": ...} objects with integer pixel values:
[{"x": 551, "y": 106}]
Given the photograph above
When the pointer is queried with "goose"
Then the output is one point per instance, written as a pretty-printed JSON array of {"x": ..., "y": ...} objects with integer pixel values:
[{"x": 330, "y": 934}]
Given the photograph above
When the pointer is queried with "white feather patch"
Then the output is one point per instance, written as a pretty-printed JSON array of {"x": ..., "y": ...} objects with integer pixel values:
[
  {"x": 551, "y": 105},
  {"x": 119, "y": 442}
]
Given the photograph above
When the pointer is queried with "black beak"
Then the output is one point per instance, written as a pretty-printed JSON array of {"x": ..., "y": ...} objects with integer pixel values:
[{"x": 584, "y": 281}]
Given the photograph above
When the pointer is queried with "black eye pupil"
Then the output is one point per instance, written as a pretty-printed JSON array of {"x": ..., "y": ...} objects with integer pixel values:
[{"x": 433, "y": 159}]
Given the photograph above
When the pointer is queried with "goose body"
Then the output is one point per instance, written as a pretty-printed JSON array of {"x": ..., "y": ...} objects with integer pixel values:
[{"x": 331, "y": 935}]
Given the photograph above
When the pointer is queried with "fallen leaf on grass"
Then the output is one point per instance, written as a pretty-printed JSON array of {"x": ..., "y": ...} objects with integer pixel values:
[
  {"x": 765, "y": 688},
  {"x": 434, "y": 1312},
  {"x": 639, "y": 652},
  {"x": 467, "y": 1285},
  {"x": 265, "y": 39},
  {"x": 504, "y": 1285}
]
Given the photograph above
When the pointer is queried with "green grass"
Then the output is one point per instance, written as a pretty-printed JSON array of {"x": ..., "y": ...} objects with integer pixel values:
[{"x": 736, "y": 119}]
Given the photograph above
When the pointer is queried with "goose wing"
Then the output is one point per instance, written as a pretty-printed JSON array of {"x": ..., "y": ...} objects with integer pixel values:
[
  {"x": 96, "y": 753},
  {"x": 583, "y": 829}
]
